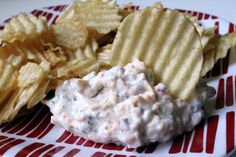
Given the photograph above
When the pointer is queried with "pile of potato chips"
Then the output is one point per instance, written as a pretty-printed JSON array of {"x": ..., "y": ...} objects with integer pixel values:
[{"x": 94, "y": 34}]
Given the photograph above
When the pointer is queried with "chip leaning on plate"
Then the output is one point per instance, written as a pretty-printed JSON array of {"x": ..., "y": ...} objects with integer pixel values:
[{"x": 167, "y": 51}]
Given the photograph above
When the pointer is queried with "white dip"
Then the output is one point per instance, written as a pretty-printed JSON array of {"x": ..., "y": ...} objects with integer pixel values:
[{"x": 122, "y": 106}]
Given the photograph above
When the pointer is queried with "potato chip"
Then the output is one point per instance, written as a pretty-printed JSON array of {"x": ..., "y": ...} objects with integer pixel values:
[
  {"x": 16, "y": 61},
  {"x": 209, "y": 53},
  {"x": 8, "y": 76},
  {"x": 39, "y": 94},
  {"x": 71, "y": 33},
  {"x": 99, "y": 16},
  {"x": 30, "y": 73},
  {"x": 95, "y": 14},
  {"x": 165, "y": 40},
  {"x": 7, "y": 49},
  {"x": 226, "y": 42},
  {"x": 53, "y": 54},
  {"x": 220, "y": 46},
  {"x": 37, "y": 52},
  {"x": 208, "y": 62},
  {"x": 206, "y": 34},
  {"x": 26, "y": 94},
  {"x": 7, "y": 111},
  {"x": 90, "y": 48},
  {"x": 21, "y": 50},
  {"x": 104, "y": 56},
  {"x": 78, "y": 68},
  {"x": 23, "y": 26},
  {"x": 46, "y": 66},
  {"x": 77, "y": 54}
]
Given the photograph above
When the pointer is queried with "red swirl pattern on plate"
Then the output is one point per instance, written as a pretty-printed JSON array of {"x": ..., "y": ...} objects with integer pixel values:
[{"x": 34, "y": 135}]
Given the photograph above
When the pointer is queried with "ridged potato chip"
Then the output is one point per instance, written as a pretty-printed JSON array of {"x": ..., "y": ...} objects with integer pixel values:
[
  {"x": 8, "y": 76},
  {"x": 226, "y": 42},
  {"x": 16, "y": 61},
  {"x": 23, "y": 26},
  {"x": 208, "y": 61},
  {"x": 221, "y": 46},
  {"x": 53, "y": 54},
  {"x": 7, "y": 111},
  {"x": 26, "y": 94},
  {"x": 78, "y": 68},
  {"x": 209, "y": 53},
  {"x": 95, "y": 14},
  {"x": 19, "y": 53},
  {"x": 82, "y": 53},
  {"x": 31, "y": 81},
  {"x": 205, "y": 34},
  {"x": 165, "y": 40},
  {"x": 39, "y": 94},
  {"x": 30, "y": 73},
  {"x": 72, "y": 33},
  {"x": 104, "y": 56},
  {"x": 90, "y": 48},
  {"x": 8, "y": 84}
]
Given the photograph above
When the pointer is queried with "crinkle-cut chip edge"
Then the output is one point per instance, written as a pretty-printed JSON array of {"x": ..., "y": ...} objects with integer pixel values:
[
  {"x": 77, "y": 68},
  {"x": 16, "y": 28}
]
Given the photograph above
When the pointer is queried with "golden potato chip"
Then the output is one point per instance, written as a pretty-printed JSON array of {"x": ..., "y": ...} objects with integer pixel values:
[
  {"x": 209, "y": 53},
  {"x": 30, "y": 73},
  {"x": 46, "y": 66},
  {"x": 8, "y": 76},
  {"x": 70, "y": 12},
  {"x": 52, "y": 54},
  {"x": 7, "y": 49},
  {"x": 226, "y": 42},
  {"x": 78, "y": 68},
  {"x": 72, "y": 33},
  {"x": 23, "y": 26},
  {"x": 208, "y": 61},
  {"x": 26, "y": 94},
  {"x": 7, "y": 111},
  {"x": 39, "y": 94},
  {"x": 99, "y": 16},
  {"x": 205, "y": 34},
  {"x": 95, "y": 14},
  {"x": 104, "y": 56},
  {"x": 21, "y": 50},
  {"x": 219, "y": 46},
  {"x": 75, "y": 54},
  {"x": 90, "y": 48},
  {"x": 37, "y": 52},
  {"x": 165, "y": 40},
  {"x": 16, "y": 61}
]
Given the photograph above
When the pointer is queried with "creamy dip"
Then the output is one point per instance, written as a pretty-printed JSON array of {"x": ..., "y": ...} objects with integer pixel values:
[{"x": 122, "y": 106}]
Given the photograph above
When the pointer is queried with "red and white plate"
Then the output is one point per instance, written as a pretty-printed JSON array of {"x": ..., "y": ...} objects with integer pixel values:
[{"x": 34, "y": 135}]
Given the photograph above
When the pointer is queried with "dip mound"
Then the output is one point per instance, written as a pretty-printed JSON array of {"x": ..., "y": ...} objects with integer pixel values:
[{"x": 122, "y": 106}]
